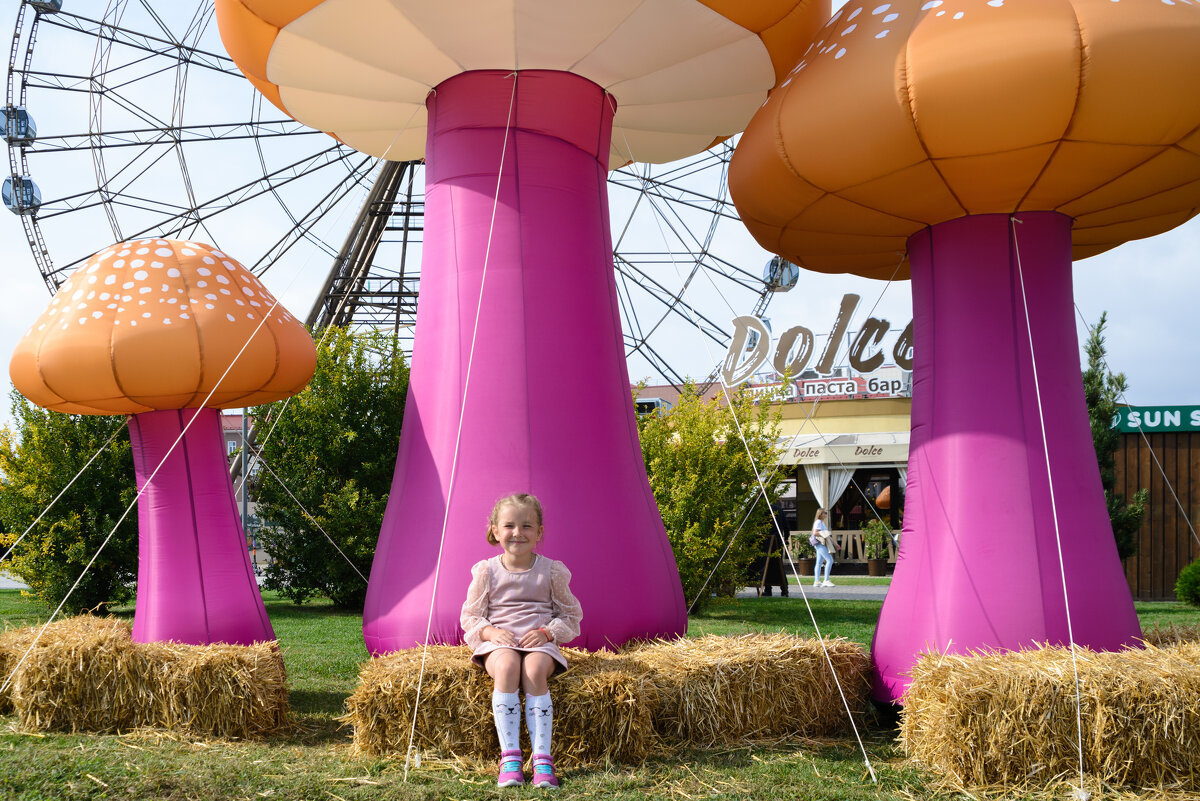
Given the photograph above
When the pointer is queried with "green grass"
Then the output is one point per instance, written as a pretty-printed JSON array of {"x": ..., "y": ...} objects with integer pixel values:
[{"x": 323, "y": 648}]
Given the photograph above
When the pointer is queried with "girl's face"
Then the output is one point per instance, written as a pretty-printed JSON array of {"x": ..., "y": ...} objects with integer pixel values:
[{"x": 517, "y": 530}]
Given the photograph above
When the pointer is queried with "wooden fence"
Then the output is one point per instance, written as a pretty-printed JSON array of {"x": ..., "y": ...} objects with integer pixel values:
[
  {"x": 1166, "y": 542},
  {"x": 849, "y": 546}
]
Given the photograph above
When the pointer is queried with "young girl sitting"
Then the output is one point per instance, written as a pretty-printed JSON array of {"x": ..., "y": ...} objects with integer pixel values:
[{"x": 519, "y": 607}]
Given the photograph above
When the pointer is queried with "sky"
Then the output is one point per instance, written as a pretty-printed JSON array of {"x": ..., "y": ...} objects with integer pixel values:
[{"x": 1148, "y": 287}]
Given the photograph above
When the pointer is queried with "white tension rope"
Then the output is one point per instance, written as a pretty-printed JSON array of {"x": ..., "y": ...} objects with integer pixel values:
[
  {"x": 763, "y": 491},
  {"x": 412, "y": 732},
  {"x": 808, "y": 420},
  {"x": 1141, "y": 431},
  {"x": 1037, "y": 391}
]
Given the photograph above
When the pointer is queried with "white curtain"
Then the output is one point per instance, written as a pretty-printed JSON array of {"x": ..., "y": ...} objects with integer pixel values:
[
  {"x": 839, "y": 479},
  {"x": 828, "y": 483},
  {"x": 818, "y": 479},
  {"x": 903, "y": 471}
]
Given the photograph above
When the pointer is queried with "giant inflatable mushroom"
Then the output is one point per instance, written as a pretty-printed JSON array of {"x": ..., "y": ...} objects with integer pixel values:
[
  {"x": 518, "y": 108},
  {"x": 150, "y": 329},
  {"x": 979, "y": 146}
]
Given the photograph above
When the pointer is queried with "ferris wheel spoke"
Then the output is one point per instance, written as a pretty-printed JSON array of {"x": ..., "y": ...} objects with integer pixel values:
[
  {"x": 660, "y": 364},
  {"x": 111, "y": 33},
  {"x": 171, "y": 135},
  {"x": 302, "y": 227},
  {"x": 672, "y": 302},
  {"x": 176, "y": 218}
]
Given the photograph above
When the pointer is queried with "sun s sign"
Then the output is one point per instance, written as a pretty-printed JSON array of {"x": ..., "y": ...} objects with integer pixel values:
[{"x": 797, "y": 345}]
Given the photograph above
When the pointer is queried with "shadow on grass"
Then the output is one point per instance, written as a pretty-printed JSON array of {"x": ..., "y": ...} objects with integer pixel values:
[
  {"x": 317, "y": 702},
  {"x": 280, "y": 608},
  {"x": 310, "y": 729},
  {"x": 842, "y": 618}
]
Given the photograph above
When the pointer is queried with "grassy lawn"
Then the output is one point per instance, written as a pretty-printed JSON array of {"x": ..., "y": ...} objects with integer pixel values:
[{"x": 323, "y": 648}]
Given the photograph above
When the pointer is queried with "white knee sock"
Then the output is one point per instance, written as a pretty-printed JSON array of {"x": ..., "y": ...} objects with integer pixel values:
[
  {"x": 506, "y": 709},
  {"x": 539, "y": 719}
]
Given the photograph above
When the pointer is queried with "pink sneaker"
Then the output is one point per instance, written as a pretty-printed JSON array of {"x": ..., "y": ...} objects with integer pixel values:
[
  {"x": 543, "y": 772},
  {"x": 510, "y": 769}
]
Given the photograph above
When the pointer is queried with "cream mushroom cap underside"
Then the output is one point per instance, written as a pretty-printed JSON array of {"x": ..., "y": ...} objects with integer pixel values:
[
  {"x": 682, "y": 74},
  {"x": 156, "y": 324}
]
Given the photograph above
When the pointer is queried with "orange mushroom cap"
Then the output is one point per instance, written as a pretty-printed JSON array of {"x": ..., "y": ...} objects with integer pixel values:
[
  {"x": 155, "y": 324},
  {"x": 685, "y": 74},
  {"x": 907, "y": 114}
]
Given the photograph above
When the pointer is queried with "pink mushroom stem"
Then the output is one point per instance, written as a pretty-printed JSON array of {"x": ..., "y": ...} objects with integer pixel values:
[
  {"x": 979, "y": 564},
  {"x": 548, "y": 408},
  {"x": 195, "y": 582}
]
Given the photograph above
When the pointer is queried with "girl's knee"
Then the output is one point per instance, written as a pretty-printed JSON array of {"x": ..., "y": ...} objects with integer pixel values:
[
  {"x": 536, "y": 669},
  {"x": 504, "y": 666}
]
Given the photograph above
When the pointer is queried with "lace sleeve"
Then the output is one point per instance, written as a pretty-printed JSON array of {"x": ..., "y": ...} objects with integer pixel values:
[
  {"x": 565, "y": 608},
  {"x": 475, "y": 609}
]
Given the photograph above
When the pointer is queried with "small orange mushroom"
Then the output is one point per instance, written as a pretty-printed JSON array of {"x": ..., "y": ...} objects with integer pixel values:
[{"x": 156, "y": 329}]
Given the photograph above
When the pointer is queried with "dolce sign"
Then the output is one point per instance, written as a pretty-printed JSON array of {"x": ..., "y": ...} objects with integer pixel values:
[
  {"x": 844, "y": 454},
  {"x": 795, "y": 346}
]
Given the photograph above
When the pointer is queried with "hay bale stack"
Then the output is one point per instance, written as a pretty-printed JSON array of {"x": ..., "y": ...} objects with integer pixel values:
[
  {"x": 1170, "y": 634},
  {"x": 725, "y": 689},
  {"x": 603, "y": 706},
  {"x": 455, "y": 710},
  {"x": 86, "y": 674},
  {"x": 219, "y": 690},
  {"x": 1009, "y": 719},
  {"x": 82, "y": 674}
]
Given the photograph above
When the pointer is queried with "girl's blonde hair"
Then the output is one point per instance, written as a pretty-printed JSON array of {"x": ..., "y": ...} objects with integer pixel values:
[
  {"x": 516, "y": 499},
  {"x": 820, "y": 513}
]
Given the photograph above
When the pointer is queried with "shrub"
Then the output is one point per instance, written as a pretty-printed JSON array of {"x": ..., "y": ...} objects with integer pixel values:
[
  {"x": 38, "y": 458},
  {"x": 705, "y": 485},
  {"x": 1187, "y": 586},
  {"x": 334, "y": 446},
  {"x": 876, "y": 536}
]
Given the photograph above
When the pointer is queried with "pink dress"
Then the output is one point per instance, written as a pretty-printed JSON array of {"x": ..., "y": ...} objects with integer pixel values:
[{"x": 519, "y": 601}]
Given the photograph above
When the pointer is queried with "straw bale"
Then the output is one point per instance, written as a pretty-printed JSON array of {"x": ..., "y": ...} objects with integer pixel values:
[
  {"x": 603, "y": 706},
  {"x": 719, "y": 690},
  {"x": 622, "y": 706},
  {"x": 81, "y": 675},
  {"x": 1009, "y": 719},
  {"x": 86, "y": 674},
  {"x": 219, "y": 690},
  {"x": 1170, "y": 634}
]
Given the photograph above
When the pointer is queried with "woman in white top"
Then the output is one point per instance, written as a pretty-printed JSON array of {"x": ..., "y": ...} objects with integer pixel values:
[{"x": 822, "y": 541}]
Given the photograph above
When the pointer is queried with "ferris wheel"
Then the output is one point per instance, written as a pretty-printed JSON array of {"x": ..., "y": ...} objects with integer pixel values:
[{"x": 130, "y": 120}]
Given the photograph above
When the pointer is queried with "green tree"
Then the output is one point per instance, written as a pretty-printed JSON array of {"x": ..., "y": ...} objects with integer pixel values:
[
  {"x": 704, "y": 483},
  {"x": 38, "y": 459},
  {"x": 1102, "y": 388},
  {"x": 334, "y": 447}
]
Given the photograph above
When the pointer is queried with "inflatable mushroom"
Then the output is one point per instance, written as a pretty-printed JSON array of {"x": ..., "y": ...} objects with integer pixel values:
[
  {"x": 156, "y": 329},
  {"x": 518, "y": 108},
  {"x": 979, "y": 146}
]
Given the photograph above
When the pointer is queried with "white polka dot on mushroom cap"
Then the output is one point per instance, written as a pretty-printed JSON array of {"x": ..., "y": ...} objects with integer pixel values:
[{"x": 838, "y": 44}]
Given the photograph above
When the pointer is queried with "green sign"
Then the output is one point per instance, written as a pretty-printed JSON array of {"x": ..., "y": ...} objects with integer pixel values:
[{"x": 1151, "y": 419}]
